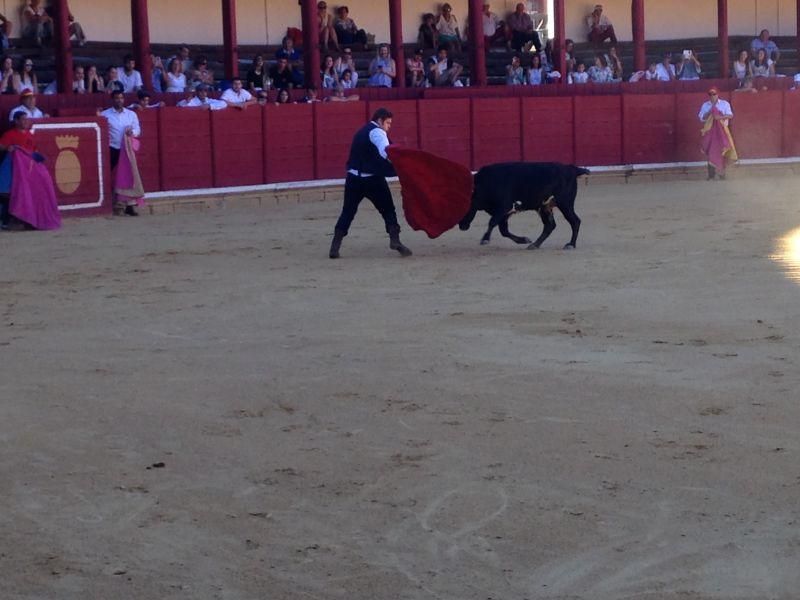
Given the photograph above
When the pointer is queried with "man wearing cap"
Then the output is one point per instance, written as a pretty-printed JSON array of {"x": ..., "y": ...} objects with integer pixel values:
[
  {"x": 28, "y": 106},
  {"x": 599, "y": 27},
  {"x": 717, "y": 142},
  {"x": 201, "y": 100}
]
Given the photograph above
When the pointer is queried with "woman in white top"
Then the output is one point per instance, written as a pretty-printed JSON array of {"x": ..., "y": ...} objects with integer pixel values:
[
  {"x": 174, "y": 78},
  {"x": 26, "y": 78},
  {"x": 447, "y": 27},
  {"x": 741, "y": 66},
  {"x": 536, "y": 75},
  {"x": 762, "y": 65},
  {"x": 330, "y": 78}
]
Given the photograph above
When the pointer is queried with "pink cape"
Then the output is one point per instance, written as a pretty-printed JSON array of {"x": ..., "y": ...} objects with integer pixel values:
[
  {"x": 437, "y": 192},
  {"x": 127, "y": 182},
  {"x": 33, "y": 197},
  {"x": 717, "y": 142}
]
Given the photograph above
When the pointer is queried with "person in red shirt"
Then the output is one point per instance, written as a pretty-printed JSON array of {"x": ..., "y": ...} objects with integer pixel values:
[{"x": 20, "y": 135}]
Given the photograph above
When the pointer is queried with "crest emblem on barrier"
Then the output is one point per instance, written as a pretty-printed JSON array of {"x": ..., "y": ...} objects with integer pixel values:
[{"x": 68, "y": 165}]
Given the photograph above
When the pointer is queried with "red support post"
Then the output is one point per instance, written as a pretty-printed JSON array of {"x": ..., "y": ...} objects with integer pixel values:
[
  {"x": 476, "y": 43},
  {"x": 141, "y": 41},
  {"x": 559, "y": 43},
  {"x": 311, "y": 62},
  {"x": 637, "y": 21},
  {"x": 229, "y": 39},
  {"x": 722, "y": 35},
  {"x": 63, "y": 48},
  {"x": 396, "y": 39}
]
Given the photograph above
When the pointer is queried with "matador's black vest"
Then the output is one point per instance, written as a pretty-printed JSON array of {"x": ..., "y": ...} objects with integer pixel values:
[{"x": 364, "y": 155}]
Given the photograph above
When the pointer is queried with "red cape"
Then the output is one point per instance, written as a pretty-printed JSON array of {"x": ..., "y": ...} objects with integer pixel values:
[{"x": 437, "y": 192}]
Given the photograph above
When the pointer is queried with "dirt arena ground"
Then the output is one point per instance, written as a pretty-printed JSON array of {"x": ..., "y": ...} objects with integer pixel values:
[{"x": 204, "y": 406}]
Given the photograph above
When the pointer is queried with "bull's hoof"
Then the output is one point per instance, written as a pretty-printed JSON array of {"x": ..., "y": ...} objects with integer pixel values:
[
  {"x": 533, "y": 247},
  {"x": 522, "y": 240},
  {"x": 464, "y": 226},
  {"x": 484, "y": 242},
  {"x": 569, "y": 246}
]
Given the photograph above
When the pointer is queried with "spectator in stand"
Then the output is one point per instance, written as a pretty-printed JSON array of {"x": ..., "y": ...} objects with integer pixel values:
[
  {"x": 442, "y": 71},
  {"x": 122, "y": 123},
  {"x": 236, "y": 96},
  {"x": 262, "y": 97},
  {"x": 415, "y": 69},
  {"x": 741, "y": 66},
  {"x": 28, "y": 106},
  {"x": 8, "y": 77},
  {"x": 311, "y": 96},
  {"x": 201, "y": 100},
  {"x": 94, "y": 82},
  {"x": 614, "y": 62},
  {"x": 689, "y": 67},
  {"x": 569, "y": 56},
  {"x": 382, "y": 69},
  {"x": 76, "y": 31},
  {"x": 174, "y": 79},
  {"x": 5, "y": 32},
  {"x": 201, "y": 73},
  {"x": 130, "y": 78},
  {"x": 665, "y": 70},
  {"x": 652, "y": 72},
  {"x": 763, "y": 42},
  {"x": 78, "y": 80},
  {"x": 600, "y": 72},
  {"x": 144, "y": 101},
  {"x": 338, "y": 96},
  {"x": 157, "y": 73},
  {"x": 26, "y": 78},
  {"x": 184, "y": 55},
  {"x": 515, "y": 75},
  {"x": 344, "y": 62},
  {"x": 346, "y": 29},
  {"x": 494, "y": 30},
  {"x": 536, "y": 73},
  {"x": 428, "y": 37},
  {"x": 746, "y": 85},
  {"x": 289, "y": 52},
  {"x": 283, "y": 97},
  {"x": 762, "y": 65},
  {"x": 579, "y": 75},
  {"x": 327, "y": 34},
  {"x": 39, "y": 25},
  {"x": 282, "y": 75},
  {"x": 113, "y": 84},
  {"x": 329, "y": 76},
  {"x": 346, "y": 81},
  {"x": 257, "y": 77},
  {"x": 447, "y": 28},
  {"x": 599, "y": 27},
  {"x": 520, "y": 31}
]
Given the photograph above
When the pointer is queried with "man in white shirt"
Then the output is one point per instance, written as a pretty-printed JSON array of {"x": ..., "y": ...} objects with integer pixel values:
[
  {"x": 28, "y": 106},
  {"x": 121, "y": 122},
  {"x": 493, "y": 28},
  {"x": 599, "y": 27},
  {"x": 129, "y": 77},
  {"x": 440, "y": 73},
  {"x": 201, "y": 100},
  {"x": 665, "y": 71},
  {"x": 717, "y": 142},
  {"x": 236, "y": 96}
]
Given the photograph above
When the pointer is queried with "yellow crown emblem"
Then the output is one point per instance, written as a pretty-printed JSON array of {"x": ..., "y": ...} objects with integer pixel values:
[{"x": 67, "y": 141}]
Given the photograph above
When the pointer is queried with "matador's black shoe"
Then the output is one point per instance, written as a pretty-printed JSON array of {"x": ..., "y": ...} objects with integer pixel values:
[
  {"x": 131, "y": 211},
  {"x": 336, "y": 243},
  {"x": 396, "y": 244}
]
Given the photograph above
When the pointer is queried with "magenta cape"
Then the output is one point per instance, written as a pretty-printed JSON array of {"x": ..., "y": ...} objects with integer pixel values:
[
  {"x": 33, "y": 197},
  {"x": 437, "y": 192},
  {"x": 717, "y": 143},
  {"x": 127, "y": 182}
]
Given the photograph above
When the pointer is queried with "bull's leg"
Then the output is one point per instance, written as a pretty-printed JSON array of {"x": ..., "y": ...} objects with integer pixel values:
[
  {"x": 503, "y": 227},
  {"x": 487, "y": 236},
  {"x": 574, "y": 222},
  {"x": 549, "y": 222}
]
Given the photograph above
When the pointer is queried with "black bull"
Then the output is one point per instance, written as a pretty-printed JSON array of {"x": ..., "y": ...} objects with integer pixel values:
[{"x": 503, "y": 189}]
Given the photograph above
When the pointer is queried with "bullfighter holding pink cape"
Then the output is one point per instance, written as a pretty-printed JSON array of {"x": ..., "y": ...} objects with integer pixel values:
[{"x": 717, "y": 141}]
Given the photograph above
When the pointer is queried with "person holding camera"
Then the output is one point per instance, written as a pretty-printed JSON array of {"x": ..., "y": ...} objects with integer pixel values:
[
  {"x": 689, "y": 68},
  {"x": 382, "y": 69}
]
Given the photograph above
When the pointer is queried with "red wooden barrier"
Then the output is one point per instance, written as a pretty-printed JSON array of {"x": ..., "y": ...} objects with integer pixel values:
[
  {"x": 405, "y": 124},
  {"x": 289, "y": 138},
  {"x": 648, "y": 128},
  {"x": 687, "y": 126},
  {"x": 445, "y": 129},
  {"x": 598, "y": 130},
  {"x": 238, "y": 151},
  {"x": 334, "y": 126},
  {"x": 496, "y": 131},
  {"x": 548, "y": 130},
  {"x": 148, "y": 156},
  {"x": 184, "y": 145},
  {"x": 757, "y": 123},
  {"x": 791, "y": 123}
]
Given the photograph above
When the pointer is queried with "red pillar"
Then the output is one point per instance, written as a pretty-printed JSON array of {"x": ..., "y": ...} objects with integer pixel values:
[
  {"x": 476, "y": 43},
  {"x": 311, "y": 62},
  {"x": 396, "y": 39},
  {"x": 637, "y": 20},
  {"x": 63, "y": 48},
  {"x": 141, "y": 41},
  {"x": 722, "y": 35},
  {"x": 229, "y": 39},
  {"x": 559, "y": 43}
]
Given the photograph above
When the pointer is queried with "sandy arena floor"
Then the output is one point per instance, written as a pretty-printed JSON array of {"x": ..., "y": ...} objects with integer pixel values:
[{"x": 615, "y": 422}]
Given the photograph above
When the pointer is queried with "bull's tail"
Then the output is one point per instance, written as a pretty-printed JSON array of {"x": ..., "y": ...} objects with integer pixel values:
[{"x": 468, "y": 218}]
